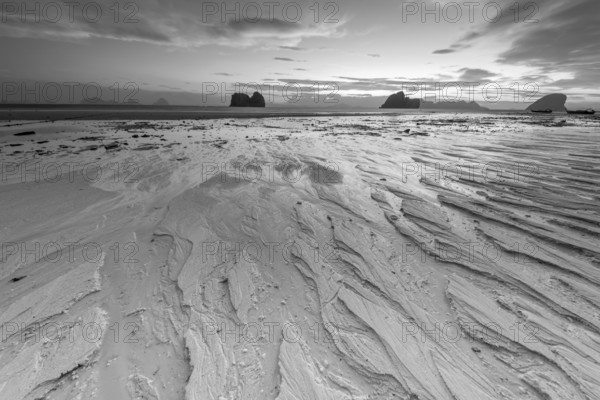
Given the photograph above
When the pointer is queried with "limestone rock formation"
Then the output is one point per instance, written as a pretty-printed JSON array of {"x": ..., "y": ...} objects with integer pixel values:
[
  {"x": 243, "y": 100},
  {"x": 257, "y": 100},
  {"x": 399, "y": 100},
  {"x": 554, "y": 102}
]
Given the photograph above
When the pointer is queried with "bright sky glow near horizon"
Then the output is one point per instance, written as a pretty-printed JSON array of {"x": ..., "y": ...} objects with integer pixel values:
[{"x": 365, "y": 48}]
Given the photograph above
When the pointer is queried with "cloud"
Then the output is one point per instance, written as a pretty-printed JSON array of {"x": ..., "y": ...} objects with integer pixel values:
[
  {"x": 454, "y": 48},
  {"x": 467, "y": 38},
  {"x": 564, "y": 43},
  {"x": 286, "y": 59},
  {"x": 475, "y": 74},
  {"x": 584, "y": 77},
  {"x": 264, "y": 25},
  {"x": 374, "y": 55},
  {"x": 387, "y": 84},
  {"x": 181, "y": 23},
  {"x": 294, "y": 48},
  {"x": 564, "y": 36},
  {"x": 563, "y": 40},
  {"x": 444, "y": 51}
]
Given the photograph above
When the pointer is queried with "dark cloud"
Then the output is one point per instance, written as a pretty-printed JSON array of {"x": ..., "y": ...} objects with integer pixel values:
[
  {"x": 565, "y": 36},
  {"x": 180, "y": 23},
  {"x": 467, "y": 38},
  {"x": 453, "y": 49},
  {"x": 294, "y": 48},
  {"x": 475, "y": 74},
  {"x": 286, "y": 59},
  {"x": 564, "y": 39},
  {"x": 81, "y": 30},
  {"x": 387, "y": 84},
  {"x": 567, "y": 40},
  {"x": 374, "y": 55},
  {"x": 444, "y": 51},
  {"x": 264, "y": 25}
]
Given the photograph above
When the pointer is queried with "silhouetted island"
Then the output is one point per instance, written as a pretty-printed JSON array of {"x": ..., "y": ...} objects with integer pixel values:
[
  {"x": 243, "y": 100},
  {"x": 552, "y": 102},
  {"x": 399, "y": 100},
  {"x": 161, "y": 102}
]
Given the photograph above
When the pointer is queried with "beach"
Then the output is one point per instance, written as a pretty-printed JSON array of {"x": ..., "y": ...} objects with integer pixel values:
[{"x": 401, "y": 256}]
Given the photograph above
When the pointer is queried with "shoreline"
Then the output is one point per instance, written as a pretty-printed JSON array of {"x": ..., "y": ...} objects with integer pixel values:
[{"x": 50, "y": 113}]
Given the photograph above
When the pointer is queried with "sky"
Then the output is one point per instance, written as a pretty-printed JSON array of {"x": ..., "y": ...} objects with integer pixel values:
[{"x": 190, "y": 51}]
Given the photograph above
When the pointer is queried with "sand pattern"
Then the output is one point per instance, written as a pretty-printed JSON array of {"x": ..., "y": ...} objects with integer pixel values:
[{"x": 426, "y": 256}]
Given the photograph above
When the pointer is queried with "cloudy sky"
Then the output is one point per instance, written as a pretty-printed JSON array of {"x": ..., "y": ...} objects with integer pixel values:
[{"x": 361, "y": 48}]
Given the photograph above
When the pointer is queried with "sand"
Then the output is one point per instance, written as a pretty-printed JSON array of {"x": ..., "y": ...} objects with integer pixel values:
[{"x": 445, "y": 256}]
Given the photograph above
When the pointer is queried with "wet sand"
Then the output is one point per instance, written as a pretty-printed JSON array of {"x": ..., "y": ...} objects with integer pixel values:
[
  {"x": 51, "y": 113},
  {"x": 442, "y": 256}
]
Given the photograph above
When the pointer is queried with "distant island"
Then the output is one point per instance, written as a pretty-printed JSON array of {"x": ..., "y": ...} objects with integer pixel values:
[
  {"x": 161, "y": 102},
  {"x": 551, "y": 102},
  {"x": 399, "y": 100},
  {"x": 243, "y": 100}
]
